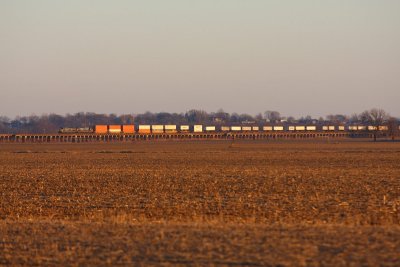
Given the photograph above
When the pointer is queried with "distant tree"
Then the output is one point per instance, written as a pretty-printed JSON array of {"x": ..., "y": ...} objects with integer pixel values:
[
  {"x": 291, "y": 119},
  {"x": 197, "y": 116},
  {"x": 376, "y": 118},
  {"x": 259, "y": 118},
  {"x": 272, "y": 116},
  {"x": 338, "y": 118}
]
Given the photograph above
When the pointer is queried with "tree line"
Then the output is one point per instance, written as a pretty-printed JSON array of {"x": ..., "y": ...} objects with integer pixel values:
[{"x": 51, "y": 123}]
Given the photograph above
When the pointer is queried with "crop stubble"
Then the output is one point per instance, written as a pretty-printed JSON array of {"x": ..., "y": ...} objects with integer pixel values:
[{"x": 250, "y": 203}]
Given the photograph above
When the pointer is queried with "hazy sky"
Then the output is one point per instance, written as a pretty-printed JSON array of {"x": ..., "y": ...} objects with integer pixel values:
[{"x": 299, "y": 57}]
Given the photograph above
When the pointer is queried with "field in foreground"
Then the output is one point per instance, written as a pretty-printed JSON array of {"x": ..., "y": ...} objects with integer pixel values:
[{"x": 171, "y": 203}]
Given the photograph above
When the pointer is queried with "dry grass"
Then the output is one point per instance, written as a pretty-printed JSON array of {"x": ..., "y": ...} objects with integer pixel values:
[{"x": 247, "y": 203}]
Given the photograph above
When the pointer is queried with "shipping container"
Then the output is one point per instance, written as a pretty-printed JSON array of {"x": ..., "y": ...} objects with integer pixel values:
[
  {"x": 210, "y": 128},
  {"x": 114, "y": 128},
  {"x": 278, "y": 128},
  {"x": 197, "y": 128},
  {"x": 267, "y": 128},
  {"x": 300, "y": 128},
  {"x": 101, "y": 129},
  {"x": 157, "y": 128},
  {"x": 246, "y": 128},
  {"x": 225, "y": 128},
  {"x": 144, "y": 129},
  {"x": 184, "y": 128},
  {"x": 236, "y": 128},
  {"x": 128, "y": 129},
  {"x": 170, "y": 128},
  {"x": 383, "y": 128},
  {"x": 311, "y": 128}
]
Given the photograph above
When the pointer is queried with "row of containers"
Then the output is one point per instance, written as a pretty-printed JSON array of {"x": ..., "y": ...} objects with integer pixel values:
[{"x": 146, "y": 129}]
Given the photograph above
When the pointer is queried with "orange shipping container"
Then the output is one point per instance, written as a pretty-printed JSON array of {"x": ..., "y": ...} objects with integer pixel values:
[
  {"x": 100, "y": 129},
  {"x": 128, "y": 128}
]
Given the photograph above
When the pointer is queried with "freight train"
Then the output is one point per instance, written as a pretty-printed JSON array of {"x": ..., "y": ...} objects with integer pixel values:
[{"x": 169, "y": 129}]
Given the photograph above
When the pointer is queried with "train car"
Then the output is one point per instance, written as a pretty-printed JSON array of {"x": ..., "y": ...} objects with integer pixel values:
[
  {"x": 170, "y": 129},
  {"x": 311, "y": 128},
  {"x": 267, "y": 128},
  {"x": 114, "y": 129},
  {"x": 184, "y": 128},
  {"x": 157, "y": 129},
  {"x": 76, "y": 130},
  {"x": 300, "y": 128},
  {"x": 224, "y": 128},
  {"x": 255, "y": 128},
  {"x": 144, "y": 129},
  {"x": 328, "y": 128},
  {"x": 341, "y": 128},
  {"x": 197, "y": 128},
  {"x": 101, "y": 129},
  {"x": 279, "y": 128},
  {"x": 236, "y": 128},
  {"x": 128, "y": 129},
  {"x": 246, "y": 128},
  {"x": 210, "y": 128}
]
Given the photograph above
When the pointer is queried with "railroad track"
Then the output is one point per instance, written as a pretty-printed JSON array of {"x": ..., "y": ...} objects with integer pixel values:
[{"x": 81, "y": 138}]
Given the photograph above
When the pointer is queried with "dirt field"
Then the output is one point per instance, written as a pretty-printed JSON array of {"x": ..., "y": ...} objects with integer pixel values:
[{"x": 200, "y": 203}]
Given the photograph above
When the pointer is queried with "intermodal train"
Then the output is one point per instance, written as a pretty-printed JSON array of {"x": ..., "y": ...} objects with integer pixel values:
[{"x": 161, "y": 129}]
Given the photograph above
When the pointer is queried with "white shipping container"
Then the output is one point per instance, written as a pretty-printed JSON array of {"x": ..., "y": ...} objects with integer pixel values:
[
  {"x": 114, "y": 130},
  {"x": 236, "y": 128},
  {"x": 246, "y": 128},
  {"x": 278, "y": 128},
  {"x": 197, "y": 128},
  {"x": 383, "y": 128},
  {"x": 184, "y": 127},
  {"x": 170, "y": 127},
  {"x": 157, "y": 127},
  {"x": 256, "y": 128},
  {"x": 225, "y": 128},
  {"x": 267, "y": 128},
  {"x": 300, "y": 128},
  {"x": 210, "y": 128},
  {"x": 144, "y": 127},
  {"x": 311, "y": 128}
]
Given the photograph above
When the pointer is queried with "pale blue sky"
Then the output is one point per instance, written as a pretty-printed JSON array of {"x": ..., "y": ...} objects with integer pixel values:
[{"x": 299, "y": 57}]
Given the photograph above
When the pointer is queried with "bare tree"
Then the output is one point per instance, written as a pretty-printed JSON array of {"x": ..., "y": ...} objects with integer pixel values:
[
  {"x": 272, "y": 116},
  {"x": 376, "y": 118}
]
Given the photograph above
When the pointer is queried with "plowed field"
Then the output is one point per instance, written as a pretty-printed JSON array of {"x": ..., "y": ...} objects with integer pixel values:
[{"x": 200, "y": 203}]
